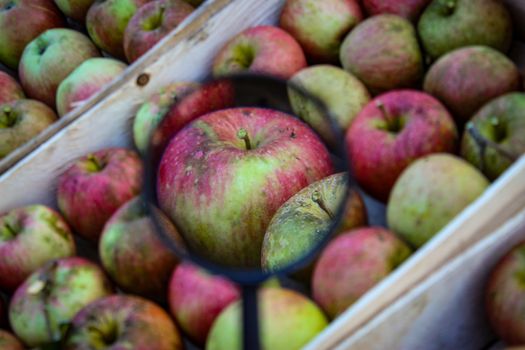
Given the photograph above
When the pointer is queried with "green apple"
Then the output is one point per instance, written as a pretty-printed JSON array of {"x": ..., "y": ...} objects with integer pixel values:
[
  {"x": 343, "y": 94},
  {"x": 430, "y": 193},
  {"x": 288, "y": 321},
  {"x": 495, "y": 136}
]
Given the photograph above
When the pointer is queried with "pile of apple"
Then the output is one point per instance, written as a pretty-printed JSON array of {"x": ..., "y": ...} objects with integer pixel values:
[
  {"x": 60, "y": 68},
  {"x": 254, "y": 187}
]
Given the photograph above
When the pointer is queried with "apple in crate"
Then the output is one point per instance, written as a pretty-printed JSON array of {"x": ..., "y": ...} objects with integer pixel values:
[
  {"x": 352, "y": 264},
  {"x": 501, "y": 122},
  {"x": 409, "y": 9},
  {"x": 467, "y": 78},
  {"x": 343, "y": 94},
  {"x": 320, "y": 26},
  {"x": 22, "y": 21},
  {"x": 223, "y": 177},
  {"x": 20, "y": 121},
  {"x": 95, "y": 186},
  {"x": 383, "y": 52},
  {"x": 151, "y": 23},
  {"x": 49, "y": 59},
  {"x": 288, "y": 320},
  {"x": 152, "y": 112},
  {"x": 132, "y": 253},
  {"x": 263, "y": 49},
  {"x": 9, "y": 341},
  {"x": 87, "y": 79},
  {"x": 429, "y": 194},
  {"x": 75, "y": 9},
  {"x": 29, "y": 237},
  {"x": 196, "y": 298},
  {"x": 505, "y": 297},
  {"x": 448, "y": 25},
  {"x": 122, "y": 322},
  {"x": 10, "y": 90},
  {"x": 391, "y": 132},
  {"x": 304, "y": 220},
  {"x": 44, "y": 305},
  {"x": 106, "y": 22}
]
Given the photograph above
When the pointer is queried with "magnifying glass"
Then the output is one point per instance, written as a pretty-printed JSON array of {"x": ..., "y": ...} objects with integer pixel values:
[{"x": 224, "y": 160}]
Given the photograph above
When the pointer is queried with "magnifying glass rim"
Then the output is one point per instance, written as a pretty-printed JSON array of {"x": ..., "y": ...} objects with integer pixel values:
[{"x": 246, "y": 275}]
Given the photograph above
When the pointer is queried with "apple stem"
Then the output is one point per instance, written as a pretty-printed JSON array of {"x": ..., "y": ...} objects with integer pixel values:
[
  {"x": 8, "y": 232},
  {"x": 318, "y": 199},
  {"x": 8, "y": 118},
  {"x": 243, "y": 135},
  {"x": 483, "y": 143},
  {"x": 448, "y": 6},
  {"x": 381, "y": 106},
  {"x": 94, "y": 165}
]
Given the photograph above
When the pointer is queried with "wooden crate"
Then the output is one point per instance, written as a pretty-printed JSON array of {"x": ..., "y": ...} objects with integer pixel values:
[
  {"x": 194, "y": 20},
  {"x": 187, "y": 55}
]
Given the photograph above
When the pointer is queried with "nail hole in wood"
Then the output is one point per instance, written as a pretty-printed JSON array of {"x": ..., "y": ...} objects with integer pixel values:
[{"x": 143, "y": 79}]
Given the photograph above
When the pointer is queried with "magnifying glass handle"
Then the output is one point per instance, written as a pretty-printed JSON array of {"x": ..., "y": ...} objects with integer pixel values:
[{"x": 250, "y": 315}]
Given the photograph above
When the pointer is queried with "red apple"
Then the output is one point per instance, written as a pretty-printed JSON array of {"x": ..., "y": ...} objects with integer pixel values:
[
  {"x": 9, "y": 342},
  {"x": 107, "y": 20},
  {"x": 29, "y": 237},
  {"x": 409, "y": 9},
  {"x": 151, "y": 23},
  {"x": 223, "y": 177},
  {"x": 10, "y": 90},
  {"x": 85, "y": 81},
  {"x": 20, "y": 121},
  {"x": 505, "y": 297},
  {"x": 392, "y": 131},
  {"x": 22, "y": 21},
  {"x": 49, "y": 59},
  {"x": 383, "y": 52},
  {"x": 44, "y": 305},
  {"x": 263, "y": 49},
  {"x": 122, "y": 322},
  {"x": 132, "y": 253},
  {"x": 320, "y": 26},
  {"x": 75, "y": 9},
  {"x": 352, "y": 264},
  {"x": 197, "y": 298},
  {"x": 95, "y": 186}
]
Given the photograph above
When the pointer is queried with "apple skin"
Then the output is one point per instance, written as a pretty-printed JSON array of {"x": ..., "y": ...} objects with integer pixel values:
[
  {"x": 133, "y": 255},
  {"x": 383, "y": 52},
  {"x": 95, "y": 186},
  {"x": 22, "y": 21},
  {"x": 343, "y": 94},
  {"x": 20, "y": 121},
  {"x": 391, "y": 132},
  {"x": 467, "y": 78},
  {"x": 305, "y": 218},
  {"x": 9, "y": 341},
  {"x": 429, "y": 194},
  {"x": 263, "y": 49},
  {"x": 501, "y": 121},
  {"x": 484, "y": 22},
  {"x": 352, "y": 264},
  {"x": 10, "y": 90},
  {"x": 151, "y": 112},
  {"x": 86, "y": 80},
  {"x": 320, "y": 26},
  {"x": 288, "y": 320},
  {"x": 151, "y": 23},
  {"x": 221, "y": 194},
  {"x": 49, "y": 59},
  {"x": 75, "y": 9},
  {"x": 196, "y": 298},
  {"x": 52, "y": 295},
  {"x": 106, "y": 22},
  {"x": 30, "y": 236},
  {"x": 409, "y": 9},
  {"x": 117, "y": 321},
  {"x": 505, "y": 297}
]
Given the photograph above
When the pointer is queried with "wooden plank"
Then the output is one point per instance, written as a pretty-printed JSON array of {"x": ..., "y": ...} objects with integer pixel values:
[{"x": 446, "y": 311}]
